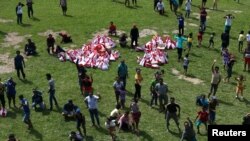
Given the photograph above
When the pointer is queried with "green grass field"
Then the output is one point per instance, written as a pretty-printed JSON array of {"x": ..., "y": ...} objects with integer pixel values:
[{"x": 86, "y": 17}]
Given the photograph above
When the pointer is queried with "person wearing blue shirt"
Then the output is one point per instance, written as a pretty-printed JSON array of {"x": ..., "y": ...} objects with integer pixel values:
[
  {"x": 179, "y": 44},
  {"x": 91, "y": 102},
  {"x": 123, "y": 72},
  {"x": 181, "y": 24},
  {"x": 11, "y": 91},
  {"x": 25, "y": 105}
]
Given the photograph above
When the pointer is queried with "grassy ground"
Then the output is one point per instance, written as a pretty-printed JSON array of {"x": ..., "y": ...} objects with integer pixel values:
[{"x": 88, "y": 16}]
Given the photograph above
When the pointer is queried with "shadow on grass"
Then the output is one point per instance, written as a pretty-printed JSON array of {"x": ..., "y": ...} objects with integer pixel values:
[
  {"x": 2, "y": 33},
  {"x": 101, "y": 114},
  {"x": 26, "y": 25},
  {"x": 247, "y": 102},
  {"x": 35, "y": 19},
  {"x": 102, "y": 130},
  {"x": 225, "y": 102},
  {"x": 11, "y": 114},
  {"x": 70, "y": 16},
  {"x": 145, "y": 136},
  {"x": 174, "y": 133},
  {"x": 195, "y": 55},
  {"x": 89, "y": 138},
  {"x": 233, "y": 38},
  {"x": 37, "y": 134},
  {"x": 25, "y": 81}
]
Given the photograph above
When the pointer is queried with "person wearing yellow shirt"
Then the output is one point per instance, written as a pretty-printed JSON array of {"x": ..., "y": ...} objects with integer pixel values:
[{"x": 138, "y": 80}]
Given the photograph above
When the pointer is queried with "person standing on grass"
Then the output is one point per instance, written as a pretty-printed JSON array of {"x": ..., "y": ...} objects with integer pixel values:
[
  {"x": 153, "y": 92},
  {"x": 246, "y": 56},
  {"x": 138, "y": 81},
  {"x": 134, "y": 2},
  {"x": 11, "y": 91},
  {"x": 136, "y": 114},
  {"x": 162, "y": 90},
  {"x": 180, "y": 39},
  {"x": 225, "y": 40},
  {"x": 81, "y": 72},
  {"x": 200, "y": 37},
  {"x": 188, "y": 132},
  {"x": 19, "y": 64},
  {"x": 202, "y": 117},
  {"x": 215, "y": 4},
  {"x": 117, "y": 85},
  {"x": 80, "y": 122},
  {"x": 203, "y": 18},
  {"x": 240, "y": 86},
  {"x": 123, "y": 97},
  {"x": 19, "y": 13},
  {"x": 51, "y": 91},
  {"x": 215, "y": 80},
  {"x": 160, "y": 7},
  {"x": 190, "y": 41},
  {"x": 123, "y": 72},
  {"x": 228, "y": 22},
  {"x": 25, "y": 105},
  {"x": 172, "y": 112},
  {"x": 185, "y": 64},
  {"x": 240, "y": 40},
  {"x": 230, "y": 68},
  {"x": 127, "y": 2},
  {"x": 211, "y": 40},
  {"x": 155, "y": 4},
  {"x": 87, "y": 82},
  {"x": 2, "y": 91},
  {"x": 203, "y": 3},
  {"x": 50, "y": 43},
  {"x": 91, "y": 102},
  {"x": 181, "y": 24},
  {"x": 212, "y": 110},
  {"x": 63, "y": 4},
  {"x": 188, "y": 5},
  {"x": 29, "y": 4},
  {"x": 134, "y": 35}
]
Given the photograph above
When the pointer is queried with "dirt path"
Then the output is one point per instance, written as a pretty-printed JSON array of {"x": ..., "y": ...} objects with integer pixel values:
[
  {"x": 6, "y": 63},
  {"x": 186, "y": 78}
]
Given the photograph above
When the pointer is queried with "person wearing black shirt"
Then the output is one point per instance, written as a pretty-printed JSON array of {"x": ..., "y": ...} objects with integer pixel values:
[
  {"x": 69, "y": 109},
  {"x": 30, "y": 48},
  {"x": 80, "y": 121},
  {"x": 37, "y": 99},
  {"x": 19, "y": 64},
  {"x": 30, "y": 8},
  {"x": 134, "y": 35},
  {"x": 171, "y": 112},
  {"x": 50, "y": 43}
]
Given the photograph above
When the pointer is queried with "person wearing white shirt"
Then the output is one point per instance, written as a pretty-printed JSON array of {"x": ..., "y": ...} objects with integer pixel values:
[
  {"x": 228, "y": 22},
  {"x": 19, "y": 13},
  {"x": 160, "y": 7},
  {"x": 91, "y": 102},
  {"x": 248, "y": 36},
  {"x": 188, "y": 5}
]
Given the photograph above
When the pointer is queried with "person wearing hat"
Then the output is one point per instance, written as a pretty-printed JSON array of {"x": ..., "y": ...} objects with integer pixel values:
[
  {"x": 212, "y": 110},
  {"x": 69, "y": 110},
  {"x": 50, "y": 43},
  {"x": 138, "y": 81},
  {"x": 80, "y": 122}
]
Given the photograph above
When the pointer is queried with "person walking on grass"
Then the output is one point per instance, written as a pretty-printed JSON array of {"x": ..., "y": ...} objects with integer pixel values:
[
  {"x": 80, "y": 122},
  {"x": 138, "y": 81},
  {"x": 29, "y": 4},
  {"x": 123, "y": 72},
  {"x": 229, "y": 68},
  {"x": 25, "y": 105},
  {"x": 134, "y": 35},
  {"x": 215, "y": 80},
  {"x": 180, "y": 19},
  {"x": 11, "y": 91},
  {"x": 180, "y": 39},
  {"x": 19, "y": 64},
  {"x": 63, "y": 4},
  {"x": 51, "y": 91},
  {"x": 185, "y": 64},
  {"x": 188, "y": 5},
  {"x": 202, "y": 117},
  {"x": 117, "y": 85},
  {"x": 240, "y": 86},
  {"x": 91, "y": 102},
  {"x": 160, "y": 7},
  {"x": 136, "y": 114},
  {"x": 188, "y": 132},
  {"x": 172, "y": 112},
  {"x": 19, "y": 13},
  {"x": 162, "y": 90}
]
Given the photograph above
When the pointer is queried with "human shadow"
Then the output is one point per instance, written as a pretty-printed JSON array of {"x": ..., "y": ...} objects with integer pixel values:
[
  {"x": 11, "y": 114},
  {"x": 102, "y": 130},
  {"x": 26, "y": 25},
  {"x": 120, "y": 2},
  {"x": 195, "y": 55},
  {"x": 225, "y": 103},
  {"x": 37, "y": 134},
  {"x": 233, "y": 38},
  {"x": 35, "y": 19},
  {"x": 89, "y": 138},
  {"x": 45, "y": 112},
  {"x": 25, "y": 81},
  {"x": 247, "y": 102},
  {"x": 70, "y": 16},
  {"x": 2, "y": 33},
  {"x": 102, "y": 114},
  {"x": 145, "y": 136},
  {"x": 174, "y": 133},
  {"x": 131, "y": 7}
]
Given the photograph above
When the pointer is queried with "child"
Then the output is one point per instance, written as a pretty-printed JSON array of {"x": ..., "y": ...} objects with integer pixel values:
[
  {"x": 199, "y": 37},
  {"x": 122, "y": 97},
  {"x": 240, "y": 86},
  {"x": 189, "y": 41},
  {"x": 185, "y": 64},
  {"x": 211, "y": 40},
  {"x": 241, "y": 39},
  {"x": 202, "y": 118}
]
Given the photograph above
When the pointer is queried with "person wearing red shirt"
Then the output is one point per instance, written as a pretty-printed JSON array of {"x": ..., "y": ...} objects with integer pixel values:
[
  {"x": 112, "y": 29},
  {"x": 202, "y": 118}
]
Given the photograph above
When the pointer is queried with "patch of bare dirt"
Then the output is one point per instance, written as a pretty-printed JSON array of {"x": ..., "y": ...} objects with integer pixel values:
[
  {"x": 193, "y": 24},
  {"x": 5, "y": 20},
  {"x": 186, "y": 78},
  {"x": 13, "y": 39},
  {"x": 147, "y": 32},
  {"x": 105, "y": 32},
  {"x": 54, "y": 33},
  {"x": 6, "y": 64},
  {"x": 233, "y": 11}
]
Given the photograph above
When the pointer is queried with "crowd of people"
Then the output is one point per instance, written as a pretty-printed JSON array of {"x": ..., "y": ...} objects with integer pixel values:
[{"x": 129, "y": 120}]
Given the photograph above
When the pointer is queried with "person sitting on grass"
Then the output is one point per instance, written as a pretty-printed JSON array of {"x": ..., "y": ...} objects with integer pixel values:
[
  {"x": 37, "y": 99},
  {"x": 69, "y": 110},
  {"x": 12, "y": 138},
  {"x": 30, "y": 48},
  {"x": 112, "y": 29},
  {"x": 123, "y": 40},
  {"x": 65, "y": 38},
  {"x": 73, "y": 136},
  {"x": 124, "y": 122}
]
